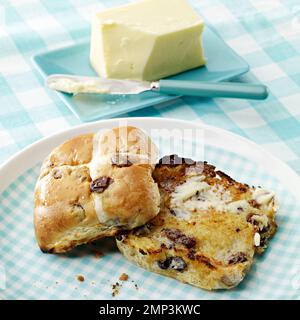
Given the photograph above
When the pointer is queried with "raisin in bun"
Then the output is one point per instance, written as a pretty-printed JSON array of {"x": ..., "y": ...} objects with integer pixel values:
[{"x": 93, "y": 186}]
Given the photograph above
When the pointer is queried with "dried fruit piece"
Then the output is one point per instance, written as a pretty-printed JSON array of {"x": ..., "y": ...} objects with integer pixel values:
[
  {"x": 141, "y": 251},
  {"x": 175, "y": 263},
  {"x": 100, "y": 184},
  {"x": 253, "y": 203},
  {"x": 178, "y": 237},
  {"x": 237, "y": 258}
]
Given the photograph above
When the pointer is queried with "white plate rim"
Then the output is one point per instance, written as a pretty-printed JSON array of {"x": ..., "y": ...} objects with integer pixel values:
[{"x": 24, "y": 160}]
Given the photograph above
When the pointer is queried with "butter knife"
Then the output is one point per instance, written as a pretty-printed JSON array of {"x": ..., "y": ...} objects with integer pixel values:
[{"x": 74, "y": 84}]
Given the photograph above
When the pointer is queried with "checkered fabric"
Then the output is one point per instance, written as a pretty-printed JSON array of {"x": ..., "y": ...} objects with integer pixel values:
[
  {"x": 267, "y": 35},
  {"x": 32, "y": 275}
]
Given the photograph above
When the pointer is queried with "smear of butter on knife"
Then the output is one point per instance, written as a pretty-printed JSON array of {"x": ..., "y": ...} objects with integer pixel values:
[{"x": 72, "y": 86}]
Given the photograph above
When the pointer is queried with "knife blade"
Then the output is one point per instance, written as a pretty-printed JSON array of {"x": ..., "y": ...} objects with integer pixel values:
[{"x": 81, "y": 84}]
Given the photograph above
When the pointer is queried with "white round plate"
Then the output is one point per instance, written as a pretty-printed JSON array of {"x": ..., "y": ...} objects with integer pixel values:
[{"x": 27, "y": 273}]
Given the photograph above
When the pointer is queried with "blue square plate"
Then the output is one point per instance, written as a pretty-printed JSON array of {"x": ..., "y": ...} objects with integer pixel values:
[{"x": 222, "y": 63}]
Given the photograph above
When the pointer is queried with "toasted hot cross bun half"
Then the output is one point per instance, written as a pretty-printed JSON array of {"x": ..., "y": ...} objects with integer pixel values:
[
  {"x": 93, "y": 186},
  {"x": 208, "y": 229}
]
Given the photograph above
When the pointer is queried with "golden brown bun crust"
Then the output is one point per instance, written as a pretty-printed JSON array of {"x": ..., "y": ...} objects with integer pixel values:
[
  {"x": 210, "y": 247},
  {"x": 65, "y": 213},
  {"x": 133, "y": 197},
  {"x": 73, "y": 152}
]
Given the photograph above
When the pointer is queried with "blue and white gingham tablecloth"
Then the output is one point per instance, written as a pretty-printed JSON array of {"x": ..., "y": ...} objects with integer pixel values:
[{"x": 265, "y": 33}]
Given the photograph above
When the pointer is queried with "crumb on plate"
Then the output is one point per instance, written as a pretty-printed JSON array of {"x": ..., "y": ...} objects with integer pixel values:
[
  {"x": 115, "y": 289},
  {"x": 80, "y": 278},
  {"x": 123, "y": 277}
]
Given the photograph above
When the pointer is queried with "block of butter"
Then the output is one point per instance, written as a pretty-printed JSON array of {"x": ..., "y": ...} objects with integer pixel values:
[{"x": 146, "y": 40}]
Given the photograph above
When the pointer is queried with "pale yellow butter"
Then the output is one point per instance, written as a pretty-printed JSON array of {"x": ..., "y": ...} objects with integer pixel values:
[{"x": 146, "y": 40}]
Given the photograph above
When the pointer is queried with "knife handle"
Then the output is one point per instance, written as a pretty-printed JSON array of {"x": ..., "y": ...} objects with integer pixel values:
[{"x": 212, "y": 89}]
